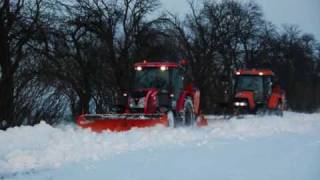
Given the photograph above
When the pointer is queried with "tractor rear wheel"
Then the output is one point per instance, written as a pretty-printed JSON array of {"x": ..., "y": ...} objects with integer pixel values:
[
  {"x": 279, "y": 110},
  {"x": 188, "y": 115}
]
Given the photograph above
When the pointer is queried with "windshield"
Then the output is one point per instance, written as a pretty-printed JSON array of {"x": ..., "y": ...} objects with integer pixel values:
[
  {"x": 251, "y": 83},
  {"x": 152, "y": 78}
]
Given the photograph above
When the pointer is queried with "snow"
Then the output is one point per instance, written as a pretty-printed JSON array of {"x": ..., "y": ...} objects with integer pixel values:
[{"x": 254, "y": 147}]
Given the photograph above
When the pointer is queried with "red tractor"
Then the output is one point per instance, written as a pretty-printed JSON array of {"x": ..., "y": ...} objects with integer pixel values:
[
  {"x": 256, "y": 91},
  {"x": 162, "y": 93}
]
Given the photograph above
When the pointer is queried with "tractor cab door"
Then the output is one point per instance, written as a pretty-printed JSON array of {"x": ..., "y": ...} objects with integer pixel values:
[
  {"x": 176, "y": 82},
  {"x": 267, "y": 86}
]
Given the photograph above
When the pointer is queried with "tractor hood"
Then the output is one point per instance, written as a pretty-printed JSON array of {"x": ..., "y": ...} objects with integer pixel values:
[
  {"x": 247, "y": 96},
  {"x": 143, "y": 100},
  {"x": 140, "y": 93}
]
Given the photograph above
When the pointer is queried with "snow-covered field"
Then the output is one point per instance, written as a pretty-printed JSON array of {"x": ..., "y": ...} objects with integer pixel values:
[{"x": 252, "y": 148}]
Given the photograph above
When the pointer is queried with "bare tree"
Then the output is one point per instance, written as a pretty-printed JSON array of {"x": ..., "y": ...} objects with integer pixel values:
[{"x": 18, "y": 24}]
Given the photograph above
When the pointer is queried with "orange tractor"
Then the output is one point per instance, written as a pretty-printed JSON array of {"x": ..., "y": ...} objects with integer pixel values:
[
  {"x": 162, "y": 93},
  {"x": 255, "y": 91}
]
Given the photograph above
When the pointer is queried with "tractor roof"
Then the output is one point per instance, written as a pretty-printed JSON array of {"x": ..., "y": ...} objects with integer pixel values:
[
  {"x": 156, "y": 64},
  {"x": 255, "y": 72}
]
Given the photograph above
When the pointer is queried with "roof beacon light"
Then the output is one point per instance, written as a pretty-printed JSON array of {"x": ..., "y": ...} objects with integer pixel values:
[
  {"x": 139, "y": 68},
  {"x": 260, "y": 73},
  {"x": 163, "y": 68}
]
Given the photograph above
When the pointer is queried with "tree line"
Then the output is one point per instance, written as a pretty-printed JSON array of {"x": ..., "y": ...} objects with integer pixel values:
[{"x": 72, "y": 57}]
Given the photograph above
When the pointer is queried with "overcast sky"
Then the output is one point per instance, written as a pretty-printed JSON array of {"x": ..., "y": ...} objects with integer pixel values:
[{"x": 304, "y": 13}]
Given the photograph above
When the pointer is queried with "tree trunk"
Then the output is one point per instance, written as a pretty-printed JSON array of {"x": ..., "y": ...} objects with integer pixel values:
[
  {"x": 84, "y": 103},
  {"x": 6, "y": 88}
]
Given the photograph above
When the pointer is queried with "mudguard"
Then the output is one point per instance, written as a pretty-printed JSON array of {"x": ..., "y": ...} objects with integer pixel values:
[
  {"x": 274, "y": 101},
  {"x": 196, "y": 101},
  {"x": 151, "y": 101}
]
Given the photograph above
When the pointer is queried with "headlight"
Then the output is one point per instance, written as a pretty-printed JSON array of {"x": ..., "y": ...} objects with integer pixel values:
[
  {"x": 136, "y": 102},
  {"x": 241, "y": 104}
]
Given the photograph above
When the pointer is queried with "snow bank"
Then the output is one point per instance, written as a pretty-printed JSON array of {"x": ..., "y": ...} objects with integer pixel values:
[{"x": 25, "y": 149}]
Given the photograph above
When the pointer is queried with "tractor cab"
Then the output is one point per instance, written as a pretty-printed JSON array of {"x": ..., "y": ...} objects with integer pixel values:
[
  {"x": 259, "y": 83},
  {"x": 255, "y": 89},
  {"x": 166, "y": 77},
  {"x": 161, "y": 81}
]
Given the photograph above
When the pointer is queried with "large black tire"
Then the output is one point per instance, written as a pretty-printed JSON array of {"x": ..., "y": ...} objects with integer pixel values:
[
  {"x": 188, "y": 116},
  {"x": 279, "y": 110},
  {"x": 261, "y": 112}
]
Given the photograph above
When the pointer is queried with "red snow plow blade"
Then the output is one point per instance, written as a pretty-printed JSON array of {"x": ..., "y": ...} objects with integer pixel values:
[
  {"x": 125, "y": 122},
  {"x": 120, "y": 122}
]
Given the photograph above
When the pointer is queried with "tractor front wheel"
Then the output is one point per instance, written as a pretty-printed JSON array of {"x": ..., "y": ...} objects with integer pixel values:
[{"x": 171, "y": 120}]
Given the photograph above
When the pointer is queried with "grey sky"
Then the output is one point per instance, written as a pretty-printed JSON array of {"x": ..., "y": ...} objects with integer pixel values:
[{"x": 304, "y": 13}]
